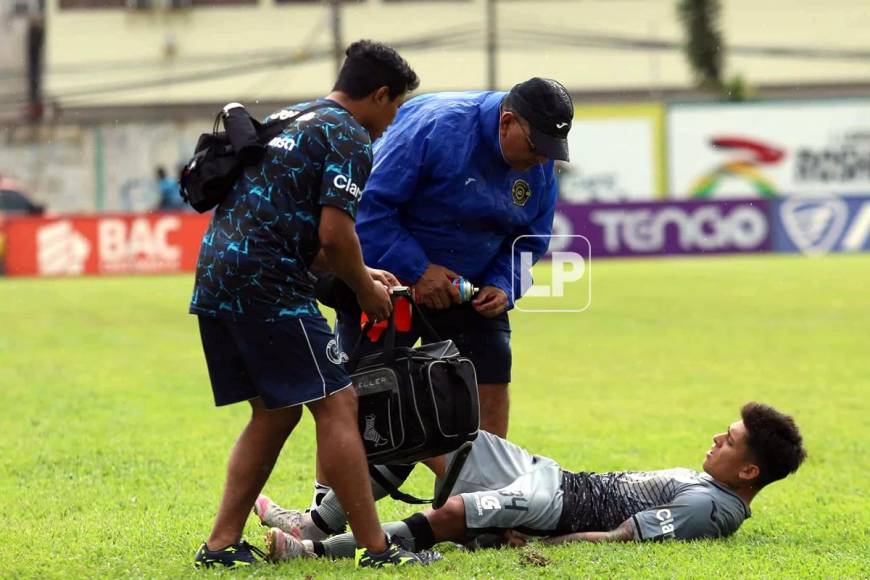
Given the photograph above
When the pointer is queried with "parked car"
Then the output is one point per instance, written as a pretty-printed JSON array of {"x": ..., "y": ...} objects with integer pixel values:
[{"x": 13, "y": 201}]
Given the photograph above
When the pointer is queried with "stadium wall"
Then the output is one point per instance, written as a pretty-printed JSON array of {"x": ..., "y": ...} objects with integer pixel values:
[
  {"x": 621, "y": 152},
  {"x": 274, "y": 50}
]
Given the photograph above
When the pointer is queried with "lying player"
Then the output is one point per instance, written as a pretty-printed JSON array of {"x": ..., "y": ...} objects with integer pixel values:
[{"x": 503, "y": 488}]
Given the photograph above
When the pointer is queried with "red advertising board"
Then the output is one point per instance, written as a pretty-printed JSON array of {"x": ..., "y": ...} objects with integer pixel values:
[{"x": 154, "y": 243}]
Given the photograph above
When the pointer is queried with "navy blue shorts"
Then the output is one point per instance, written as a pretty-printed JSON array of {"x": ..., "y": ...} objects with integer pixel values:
[
  {"x": 285, "y": 363},
  {"x": 486, "y": 342}
]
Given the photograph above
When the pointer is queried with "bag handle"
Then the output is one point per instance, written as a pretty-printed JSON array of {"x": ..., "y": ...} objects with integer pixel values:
[
  {"x": 390, "y": 336},
  {"x": 394, "y": 491},
  {"x": 443, "y": 487}
]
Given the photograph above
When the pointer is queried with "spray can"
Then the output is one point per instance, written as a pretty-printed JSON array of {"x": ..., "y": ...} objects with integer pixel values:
[{"x": 466, "y": 289}]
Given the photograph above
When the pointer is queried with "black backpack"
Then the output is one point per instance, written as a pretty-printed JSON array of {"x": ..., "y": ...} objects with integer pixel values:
[{"x": 216, "y": 164}]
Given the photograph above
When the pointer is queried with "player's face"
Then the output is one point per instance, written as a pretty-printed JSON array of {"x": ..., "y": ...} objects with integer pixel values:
[
  {"x": 517, "y": 146},
  {"x": 384, "y": 110},
  {"x": 729, "y": 460}
]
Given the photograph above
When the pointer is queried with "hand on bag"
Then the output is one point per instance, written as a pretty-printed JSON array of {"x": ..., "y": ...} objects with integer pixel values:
[
  {"x": 490, "y": 301},
  {"x": 384, "y": 277},
  {"x": 376, "y": 302},
  {"x": 435, "y": 288}
]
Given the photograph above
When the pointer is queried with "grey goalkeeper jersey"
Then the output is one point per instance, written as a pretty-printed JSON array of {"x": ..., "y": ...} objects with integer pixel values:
[{"x": 671, "y": 503}]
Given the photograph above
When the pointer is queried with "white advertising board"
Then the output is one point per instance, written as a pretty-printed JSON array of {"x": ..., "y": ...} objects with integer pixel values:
[
  {"x": 769, "y": 150},
  {"x": 615, "y": 154}
]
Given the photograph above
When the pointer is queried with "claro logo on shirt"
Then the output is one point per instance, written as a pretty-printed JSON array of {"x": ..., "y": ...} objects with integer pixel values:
[
  {"x": 666, "y": 522},
  {"x": 344, "y": 183}
]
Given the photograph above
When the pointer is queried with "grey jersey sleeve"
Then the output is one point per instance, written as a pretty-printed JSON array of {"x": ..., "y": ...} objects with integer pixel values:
[{"x": 688, "y": 516}]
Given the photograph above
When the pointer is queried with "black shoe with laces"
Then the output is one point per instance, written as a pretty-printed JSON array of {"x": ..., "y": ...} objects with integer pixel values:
[
  {"x": 393, "y": 556},
  {"x": 233, "y": 556}
]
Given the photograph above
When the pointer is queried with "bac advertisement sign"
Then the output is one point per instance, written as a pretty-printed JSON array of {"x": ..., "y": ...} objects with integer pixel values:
[
  {"x": 818, "y": 148},
  {"x": 112, "y": 244}
]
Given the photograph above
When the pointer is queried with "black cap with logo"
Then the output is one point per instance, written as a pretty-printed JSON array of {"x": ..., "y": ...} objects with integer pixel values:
[{"x": 547, "y": 106}]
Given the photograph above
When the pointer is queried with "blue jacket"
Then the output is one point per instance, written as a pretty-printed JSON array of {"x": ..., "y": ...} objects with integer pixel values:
[{"x": 440, "y": 192}]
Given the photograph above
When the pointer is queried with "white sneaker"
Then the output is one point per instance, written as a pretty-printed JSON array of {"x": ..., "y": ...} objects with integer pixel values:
[
  {"x": 283, "y": 546},
  {"x": 274, "y": 516},
  {"x": 291, "y": 521}
]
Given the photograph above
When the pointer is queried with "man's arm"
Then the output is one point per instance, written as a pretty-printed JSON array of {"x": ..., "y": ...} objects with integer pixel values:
[
  {"x": 342, "y": 253},
  {"x": 505, "y": 271},
  {"x": 402, "y": 158},
  {"x": 399, "y": 162},
  {"x": 623, "y": 533},
  {"x": 320, "y": 266}
]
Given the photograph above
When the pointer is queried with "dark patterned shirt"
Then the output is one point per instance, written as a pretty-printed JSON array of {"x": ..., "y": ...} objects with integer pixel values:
[
  {"x": 255, "y": 256},
  {"x": 671, "y": 503}
]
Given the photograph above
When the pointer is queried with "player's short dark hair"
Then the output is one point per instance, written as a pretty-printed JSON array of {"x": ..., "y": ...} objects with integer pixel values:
[
  {"x": 774, "y": 442},
  {"x": 371, "y": 65}
]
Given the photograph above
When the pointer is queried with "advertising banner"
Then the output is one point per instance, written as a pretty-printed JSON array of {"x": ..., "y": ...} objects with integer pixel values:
[
  {"x": 617, "y": 154},
  {"x": 818, "y": 226},
  {"x": 817, "y": 148},
  {"x": 665, "y": 228},
  {"x": 111, "y": 244}
]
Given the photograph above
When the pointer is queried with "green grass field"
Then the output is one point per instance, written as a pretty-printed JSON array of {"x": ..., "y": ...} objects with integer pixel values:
[{"x": 112, "y": 456}]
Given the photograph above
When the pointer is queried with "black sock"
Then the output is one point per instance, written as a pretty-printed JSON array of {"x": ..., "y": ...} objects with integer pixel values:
[
  {"x": 321, "y": 524},
  {"x": 421, "y": 530}
]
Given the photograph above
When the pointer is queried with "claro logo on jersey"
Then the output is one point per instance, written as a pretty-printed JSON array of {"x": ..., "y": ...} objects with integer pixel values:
[
  {"x": 344, "y": 183},
  {"x": 666, "y": 522}
]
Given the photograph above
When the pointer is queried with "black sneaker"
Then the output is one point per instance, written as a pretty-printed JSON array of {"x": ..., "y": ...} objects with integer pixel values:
[
  {"x": 394, "y": 556},
  {"x": 233, "y": 556}
]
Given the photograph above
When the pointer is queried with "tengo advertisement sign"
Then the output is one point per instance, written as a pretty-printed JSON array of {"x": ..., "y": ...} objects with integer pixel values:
[
  {"x": 665, "y": 228},
  {"x": 769, "y": 150},
  {"x": 112, "y": 244},
  {"x": 617, "y": 154}
]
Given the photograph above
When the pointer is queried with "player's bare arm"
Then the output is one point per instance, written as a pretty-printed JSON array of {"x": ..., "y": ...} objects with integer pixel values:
[
  {"x": 320, "y": 265},
  {"x": 623, "y": 533},
  {"x": 342, "y": 251}
]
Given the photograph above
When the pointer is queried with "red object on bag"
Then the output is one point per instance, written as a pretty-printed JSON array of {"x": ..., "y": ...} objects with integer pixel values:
[
  {"x": 402, "y": 314},
  {"x": 401, "y": 317}
]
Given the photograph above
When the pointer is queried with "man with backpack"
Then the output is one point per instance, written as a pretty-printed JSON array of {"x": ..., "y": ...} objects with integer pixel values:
[{"x": 263, "y": 336}]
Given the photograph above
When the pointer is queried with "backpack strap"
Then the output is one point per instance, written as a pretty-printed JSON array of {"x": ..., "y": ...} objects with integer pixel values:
[{"x": 268, "y": 131}]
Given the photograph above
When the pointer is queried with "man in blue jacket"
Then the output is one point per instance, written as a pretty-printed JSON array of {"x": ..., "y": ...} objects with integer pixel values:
[{"x": 461, "y": 184}]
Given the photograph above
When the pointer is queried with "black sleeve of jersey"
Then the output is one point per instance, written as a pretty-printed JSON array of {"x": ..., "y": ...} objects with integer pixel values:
[{"x": 346, "y": 167}]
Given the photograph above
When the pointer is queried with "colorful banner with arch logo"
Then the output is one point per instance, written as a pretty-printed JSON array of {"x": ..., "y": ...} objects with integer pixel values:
[{"x": 769, "y": 149}]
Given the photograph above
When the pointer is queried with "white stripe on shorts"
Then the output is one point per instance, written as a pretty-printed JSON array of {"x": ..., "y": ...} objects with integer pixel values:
[{"x": 311, "y": 350}]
